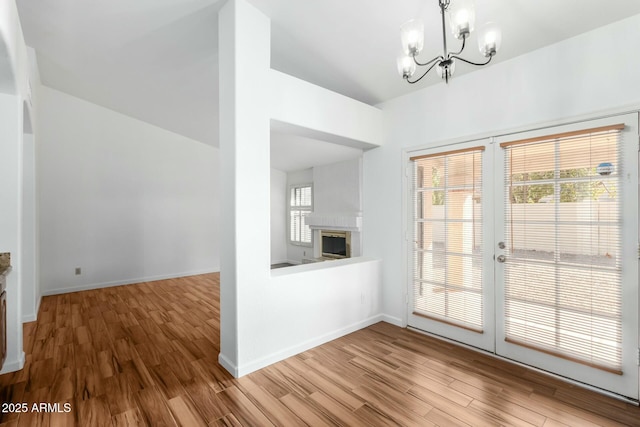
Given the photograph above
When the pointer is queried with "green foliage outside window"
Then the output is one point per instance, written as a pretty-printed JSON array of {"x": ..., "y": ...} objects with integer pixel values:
[
  {"x": 589, "y": 189},
  {"x": 437, "y": 198}
]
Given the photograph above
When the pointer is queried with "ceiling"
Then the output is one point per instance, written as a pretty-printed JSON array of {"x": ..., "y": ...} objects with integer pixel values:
[{"x": 157, "y": 61}]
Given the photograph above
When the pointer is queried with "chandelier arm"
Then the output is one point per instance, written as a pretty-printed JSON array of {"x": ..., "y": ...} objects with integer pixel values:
[
  {"x": 424, "y": 74},
  {"x": 472, "y": 63},
  {"x": 428, "y": 62},
  {"x": 464, "y": 40}
]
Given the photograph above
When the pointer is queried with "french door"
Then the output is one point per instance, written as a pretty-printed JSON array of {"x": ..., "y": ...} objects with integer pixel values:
[{"x": 526, "y": 246}]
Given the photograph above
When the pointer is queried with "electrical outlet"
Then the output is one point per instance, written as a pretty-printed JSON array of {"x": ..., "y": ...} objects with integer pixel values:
[{"x": 78, "y": 271}]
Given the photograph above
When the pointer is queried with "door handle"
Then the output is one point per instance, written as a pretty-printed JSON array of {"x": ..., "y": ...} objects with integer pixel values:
[{"x": 501, "y": 258}]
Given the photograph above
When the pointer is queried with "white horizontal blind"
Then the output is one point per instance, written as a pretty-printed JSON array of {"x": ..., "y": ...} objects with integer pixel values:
[
  {"x": 563, "y": 246},
  {"x": 448, "y": 237},
  {"x": 300, "y": 205}
]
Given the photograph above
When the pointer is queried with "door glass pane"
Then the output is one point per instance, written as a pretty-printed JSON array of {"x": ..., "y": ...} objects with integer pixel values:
[
  {"x": 448, "y": 238},
  {"x": 562, "y": 227}
]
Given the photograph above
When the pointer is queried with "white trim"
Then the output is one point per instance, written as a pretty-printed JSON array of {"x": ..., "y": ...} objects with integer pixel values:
[
  {"x": 228, "y": 365},
  {"x": 26, "y": 318},
  {"x": 350, "y": 222},
  {"x": 263, "y": 362},
  {"x": 14, "y": 366},
  {"x": 126, "y": 282},
  {"x": 396, "y": 321}
]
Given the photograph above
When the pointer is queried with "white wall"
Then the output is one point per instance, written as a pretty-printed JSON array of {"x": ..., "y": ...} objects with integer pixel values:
[
  {"x": 267, "y": 315},
  {"x": 14, "y": 90},
  {"x": 307, "y": 305},
  {"x": 295, "y": 253},
  {"x": 590, "y": 73},
  {"x": 30, "y": 286},
  {"x": 313, "y": 111},
  {"x": 337, "y": 187},
  {"x": 278, "y": 216},
  {"x": 10, "y": 223},
  {"x": 123, "y": 200},
  {"x": 338, "y": 191}
]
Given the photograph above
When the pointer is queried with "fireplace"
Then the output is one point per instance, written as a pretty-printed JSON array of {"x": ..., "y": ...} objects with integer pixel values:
[{"x": 335, "y": 244}]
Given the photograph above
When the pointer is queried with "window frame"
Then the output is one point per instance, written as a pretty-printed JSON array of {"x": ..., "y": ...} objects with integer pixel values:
[{"x": 302, "y": 208}]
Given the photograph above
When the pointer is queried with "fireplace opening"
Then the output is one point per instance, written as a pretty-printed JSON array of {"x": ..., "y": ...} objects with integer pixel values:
[{"x": 335, "y": 244}]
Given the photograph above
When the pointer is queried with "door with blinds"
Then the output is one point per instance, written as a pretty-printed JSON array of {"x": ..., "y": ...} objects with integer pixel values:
[
  {"x": 567, "y": 236},
  {"x": 534, "y": 256},
  {"x": 452, "y": 274}
]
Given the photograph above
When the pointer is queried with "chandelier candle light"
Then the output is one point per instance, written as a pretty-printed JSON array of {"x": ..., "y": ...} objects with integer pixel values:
[{"x": 462, "y": 18}]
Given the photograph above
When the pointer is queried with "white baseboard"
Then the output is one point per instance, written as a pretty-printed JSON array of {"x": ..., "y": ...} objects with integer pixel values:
[
  {"x": 228, "y": 365},
  {"x": 393, "y": 320},
  {"x": 29, "y": 318},
  {"x": 239, "y": 371},
  {"x": 13, "y": 366},
  {"x": 32, "y": 317},
  {"x": 91, "y": 286}
]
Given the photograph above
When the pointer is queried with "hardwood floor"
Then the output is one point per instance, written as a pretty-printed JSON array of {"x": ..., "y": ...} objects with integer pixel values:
[{"x": 146, "y": 354}]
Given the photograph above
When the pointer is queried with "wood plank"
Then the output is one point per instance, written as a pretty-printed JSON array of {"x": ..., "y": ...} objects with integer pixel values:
[
  {"x": 244, "y": 410},
  {"x": 185, "y": 412},
  {"x": 154, "y": 408},
  {"x": 335, "y": 411},
  {"x": 94, "y": 412},
  {"x": 209, "y": 404},
  {"x": 147, "y": 353},
  {"x": 304, "y": 411},
  {"x": 273, "y": 409},
  {"x": 132, "y": 417}
]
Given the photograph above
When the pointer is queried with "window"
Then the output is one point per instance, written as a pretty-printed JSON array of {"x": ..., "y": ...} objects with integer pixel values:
[
  {"x": 563, "y": 280},
  {"x": 300, "y": 205},
  {"x": 448, "y": 237}
]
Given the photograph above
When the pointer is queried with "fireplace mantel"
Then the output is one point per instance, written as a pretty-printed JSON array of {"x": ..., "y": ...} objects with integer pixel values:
[{"x": 320, "y": 221}]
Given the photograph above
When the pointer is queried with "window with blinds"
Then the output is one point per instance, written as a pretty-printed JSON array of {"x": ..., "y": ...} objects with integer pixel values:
[
  {"x": 448, "y": 237},
  {"x": 300, "y": 205},
  {"x": 563, "y": 246}
]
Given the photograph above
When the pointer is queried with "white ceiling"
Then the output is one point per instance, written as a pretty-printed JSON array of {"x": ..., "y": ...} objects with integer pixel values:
[{"x": 156, "y": 60}]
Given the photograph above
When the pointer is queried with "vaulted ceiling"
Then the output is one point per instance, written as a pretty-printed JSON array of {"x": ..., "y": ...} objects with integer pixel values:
[{"x": 156, "y": 60}]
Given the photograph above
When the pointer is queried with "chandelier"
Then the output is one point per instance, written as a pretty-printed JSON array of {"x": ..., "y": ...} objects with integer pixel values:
[{"x": 461, "y": 19}]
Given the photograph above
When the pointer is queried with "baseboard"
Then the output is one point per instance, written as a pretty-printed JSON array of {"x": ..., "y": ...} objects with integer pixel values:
[
  {"x": 297, "y": 349},
  {"x": 13, "y": 366},
  {"x": 32, "y": 317},
  {"x": 228, "y": 365},
  {"x": 29, "y": 318},
  {"x": 124, "y": 282},
  {"x": 393, "y": 320}
]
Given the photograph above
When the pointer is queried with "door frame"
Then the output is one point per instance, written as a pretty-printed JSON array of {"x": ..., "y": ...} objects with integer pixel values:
[
  {"x": 486, "y": 339},
  {"x": 631, "y": 307},
  {"x": 626, "y": 384}
]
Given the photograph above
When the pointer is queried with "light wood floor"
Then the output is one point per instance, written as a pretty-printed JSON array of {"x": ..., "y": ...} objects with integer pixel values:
[{"x": 146, "y": 355}]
